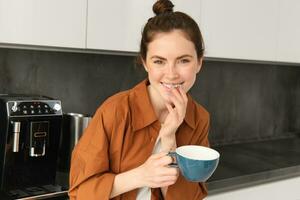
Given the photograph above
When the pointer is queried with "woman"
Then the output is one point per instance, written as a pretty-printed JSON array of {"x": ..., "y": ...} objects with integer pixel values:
[{"x": 123, "y": 152}]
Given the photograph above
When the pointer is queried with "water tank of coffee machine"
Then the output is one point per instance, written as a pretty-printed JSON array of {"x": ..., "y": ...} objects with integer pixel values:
[{"x": 30, "y": 128}]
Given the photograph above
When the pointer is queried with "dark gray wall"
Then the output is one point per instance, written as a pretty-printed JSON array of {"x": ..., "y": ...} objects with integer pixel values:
[
  {"x": 250, "y": 101},
  {"x": 247, "y": 102}
]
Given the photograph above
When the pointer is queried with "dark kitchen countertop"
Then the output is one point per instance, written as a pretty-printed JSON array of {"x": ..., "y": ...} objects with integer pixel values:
[{"x": 247, "y": 164}]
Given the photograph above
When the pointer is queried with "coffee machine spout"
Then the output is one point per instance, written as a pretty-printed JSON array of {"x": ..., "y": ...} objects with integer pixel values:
[
  {"x": 34, "y": 154},
  {"x": 16, "y": 135},
  {"x": 38, "y": 138}
]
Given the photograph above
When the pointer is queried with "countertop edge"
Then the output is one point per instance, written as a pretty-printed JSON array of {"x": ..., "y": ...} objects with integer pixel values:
[
  {"x": 45, "y": 196},
  {"x": 238, "y": 182}
]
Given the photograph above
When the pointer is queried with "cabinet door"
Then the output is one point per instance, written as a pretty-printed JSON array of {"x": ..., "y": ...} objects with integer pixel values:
[
  {"x": 240, "y": 29},
  {"x": 59, "y": 23},
  {"x": 289, "y": 31},
  {"x": 117, "y": 25}
]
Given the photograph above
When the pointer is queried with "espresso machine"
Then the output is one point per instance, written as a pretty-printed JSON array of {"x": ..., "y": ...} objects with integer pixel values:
[{"x": 30, "y": 129}]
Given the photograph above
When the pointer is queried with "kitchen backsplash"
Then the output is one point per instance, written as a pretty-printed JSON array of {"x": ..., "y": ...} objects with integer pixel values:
[{"x": 247, "y": 101}]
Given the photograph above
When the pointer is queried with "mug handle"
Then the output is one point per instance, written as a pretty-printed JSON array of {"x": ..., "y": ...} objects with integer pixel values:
[{"x": 172, "y": 154}]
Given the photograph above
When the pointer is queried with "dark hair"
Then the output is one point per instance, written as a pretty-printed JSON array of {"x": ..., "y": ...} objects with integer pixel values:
[{"x": 166, "y": 21}]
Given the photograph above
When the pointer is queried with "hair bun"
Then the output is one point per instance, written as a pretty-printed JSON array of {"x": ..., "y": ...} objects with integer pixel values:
[{"x": 162, "y": 6}]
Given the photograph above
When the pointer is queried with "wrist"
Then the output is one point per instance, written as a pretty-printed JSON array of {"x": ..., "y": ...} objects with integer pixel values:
[
  {"x": 167, "y": 132},
  {"x": 125, "y": 182},
  {"x": 138, "y": 177},
  {"x": 168, "y": 143}
]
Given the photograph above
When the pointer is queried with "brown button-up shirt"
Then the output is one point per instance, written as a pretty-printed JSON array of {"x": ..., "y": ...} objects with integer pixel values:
[{"x": 121, "y": 136}]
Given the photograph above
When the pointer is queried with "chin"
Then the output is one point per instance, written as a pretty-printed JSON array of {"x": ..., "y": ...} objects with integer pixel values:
[{"x": 167, "y": 99}]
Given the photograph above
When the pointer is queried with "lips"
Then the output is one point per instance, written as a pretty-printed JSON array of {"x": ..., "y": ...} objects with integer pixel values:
[{"x": 172, "y": 85}]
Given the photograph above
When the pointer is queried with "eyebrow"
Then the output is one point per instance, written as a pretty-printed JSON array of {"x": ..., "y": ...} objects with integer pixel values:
[
  {"x": 157, "y": 57},
  {"x": 162, "y": 58},
  {"x": 183, "y": 56}
]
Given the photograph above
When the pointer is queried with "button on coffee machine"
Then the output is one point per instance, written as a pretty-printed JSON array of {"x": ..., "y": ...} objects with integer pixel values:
[{"x": 30, "y": 128}]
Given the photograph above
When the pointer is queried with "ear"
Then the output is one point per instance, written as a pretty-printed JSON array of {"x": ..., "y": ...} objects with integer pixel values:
[{"x": 199, "y": 65}]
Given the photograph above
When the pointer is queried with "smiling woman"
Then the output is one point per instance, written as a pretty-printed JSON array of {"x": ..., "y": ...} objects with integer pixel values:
[
  {"x": 123, "y": 153},
  {"x": 171, "y": 64}
]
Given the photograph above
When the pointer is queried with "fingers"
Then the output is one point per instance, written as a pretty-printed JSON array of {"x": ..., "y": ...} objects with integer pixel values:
[
  {"x": 157, "y": 173},
  {"x": 176, "y": 99},
  {"x": 180, "y": 106},
  {"x": 167, "y": 176},
  {"x": 179, "y": 98},
  {"x": 164, "y": 181},
  {"x": 183, "y": 94},
  {"x": 168, "y": 171},
  {"x": 161, "y": 159},
  {"x": 170, "y": 109},
  {"x": 180, "y": 94},
  {"x": 166, "y": 160}
]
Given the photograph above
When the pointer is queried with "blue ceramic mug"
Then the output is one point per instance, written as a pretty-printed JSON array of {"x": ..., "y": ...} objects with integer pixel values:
[{"x": 196, "y": 163}]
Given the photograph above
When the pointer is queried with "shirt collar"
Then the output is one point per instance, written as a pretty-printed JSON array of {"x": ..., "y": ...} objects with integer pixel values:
[{"x": 143, "y": 111}]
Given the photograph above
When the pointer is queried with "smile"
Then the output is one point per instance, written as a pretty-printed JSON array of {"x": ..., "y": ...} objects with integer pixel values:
[{"x": 172, "y": 85}]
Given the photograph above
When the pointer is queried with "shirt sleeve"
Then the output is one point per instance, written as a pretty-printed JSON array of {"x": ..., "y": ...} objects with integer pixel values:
[{"x": 90, "y": 176}]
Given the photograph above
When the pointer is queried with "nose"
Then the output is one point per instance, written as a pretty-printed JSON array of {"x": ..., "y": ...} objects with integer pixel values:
[{"x": 172, "y": 72}]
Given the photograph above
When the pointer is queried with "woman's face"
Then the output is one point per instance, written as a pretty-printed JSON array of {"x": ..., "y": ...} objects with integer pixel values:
[{"x": 171, "y": 62}]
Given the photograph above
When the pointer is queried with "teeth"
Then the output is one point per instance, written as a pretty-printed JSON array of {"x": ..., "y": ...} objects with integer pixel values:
[{"x": 172, "y": 85}]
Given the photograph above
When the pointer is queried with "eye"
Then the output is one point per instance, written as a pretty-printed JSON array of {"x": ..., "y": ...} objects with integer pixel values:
[
  {"x": 158, "y": 62},
  {"x": 184, "y": 60}
]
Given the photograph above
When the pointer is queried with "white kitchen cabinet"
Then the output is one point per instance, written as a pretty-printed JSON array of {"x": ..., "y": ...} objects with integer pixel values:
[
  {"x": 60, "y": 23},
  {"x": 117, "y": 25},
  {"x": 277, "y": 190},
  {"x": 237, "y": 29},
  {"x": 289, "y": 31}
]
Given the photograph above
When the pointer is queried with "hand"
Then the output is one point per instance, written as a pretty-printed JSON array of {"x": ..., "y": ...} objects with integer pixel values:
[
  {"x": 177, "y": 111},
  {"x": 156, "y": 173}
]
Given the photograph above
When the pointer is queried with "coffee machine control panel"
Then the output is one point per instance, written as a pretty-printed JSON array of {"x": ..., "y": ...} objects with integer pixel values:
[{"x": 34, "y": 108}]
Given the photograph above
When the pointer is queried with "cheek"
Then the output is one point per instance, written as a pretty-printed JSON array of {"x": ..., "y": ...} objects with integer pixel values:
[
  {"x": 190, "y": 78},
  {"x": 154, "y": 74},
  {"x": 190, "y": 82},
  {"x": 188, "y": 75}
]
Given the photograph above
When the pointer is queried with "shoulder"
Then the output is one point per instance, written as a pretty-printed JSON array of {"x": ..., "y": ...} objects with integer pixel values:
[
  {"x": 116, "y": 104},
  {"x": 116, "y": 100},
  {"x": 202, "y": 124},
  {"x": 122, "y": 101},
  {"x": 114, "y": 114}
]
